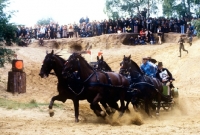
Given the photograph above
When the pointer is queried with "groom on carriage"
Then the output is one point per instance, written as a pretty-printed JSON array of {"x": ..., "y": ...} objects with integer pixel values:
[{"x": 165, "y": 76}]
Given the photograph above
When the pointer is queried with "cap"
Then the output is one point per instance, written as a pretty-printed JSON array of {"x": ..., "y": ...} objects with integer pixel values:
[
  {"x": 160, "y": 64},
  {"x": 145, "y": 58}
]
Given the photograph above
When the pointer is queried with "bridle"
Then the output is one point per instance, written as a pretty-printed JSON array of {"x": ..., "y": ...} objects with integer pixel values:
[
  {"x": 46, "y": 68},
  {"x": 79, "y": 69}
]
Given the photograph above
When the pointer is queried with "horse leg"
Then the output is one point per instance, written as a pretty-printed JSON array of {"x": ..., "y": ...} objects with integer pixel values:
[
  {"x": 147, "y": 106},
  {"x": 114, "y": 106},
  {"x": 59, "y": 98},
  {"x": 95, "y": 106},
  {"x": 122, "y": 107},
  {"x": 158, "y": 107},
  {"x": 76, "y": 109},
  {"x": 106, "y": 107},
  {"x": 135, "y": 102},
  {"x": 153, "y": 106},
  {"x": 135, "y": 106},
  {"x": 126, "y": 107}
]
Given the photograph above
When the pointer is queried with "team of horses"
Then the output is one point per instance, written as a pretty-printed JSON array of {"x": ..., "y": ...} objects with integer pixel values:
[{"x": 78, "y": 80}]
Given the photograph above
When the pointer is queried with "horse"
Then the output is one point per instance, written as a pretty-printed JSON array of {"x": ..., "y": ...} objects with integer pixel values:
[
  {"x": 106, "y": 86},
  {"x": 143, "y": 87},
  {"x": 68, "y": 88},
  {"x": 102, "y": 65}
]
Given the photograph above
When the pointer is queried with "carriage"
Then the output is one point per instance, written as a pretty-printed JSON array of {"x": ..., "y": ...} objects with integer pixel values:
[
  {"x": 166, "y": 105},
  {"x": 174, "y": 94}
]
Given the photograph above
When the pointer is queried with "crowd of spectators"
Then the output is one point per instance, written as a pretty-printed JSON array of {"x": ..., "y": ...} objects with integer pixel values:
[{"x": 144, "y": 27}]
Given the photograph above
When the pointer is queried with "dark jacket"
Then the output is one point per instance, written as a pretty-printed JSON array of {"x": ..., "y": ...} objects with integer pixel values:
[{"x": 163, "y": 69}]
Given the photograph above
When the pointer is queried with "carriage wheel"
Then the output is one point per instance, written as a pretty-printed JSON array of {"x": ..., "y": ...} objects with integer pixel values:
[{"x": 166, "y": 106}]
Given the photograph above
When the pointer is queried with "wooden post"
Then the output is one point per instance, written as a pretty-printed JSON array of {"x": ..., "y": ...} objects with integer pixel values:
[{"x": 16, "y": 82}]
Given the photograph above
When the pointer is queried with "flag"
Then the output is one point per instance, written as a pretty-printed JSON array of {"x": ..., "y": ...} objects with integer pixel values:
[
  {"x": 100, "y": 53},
  {"x": 89, "y": 52}
]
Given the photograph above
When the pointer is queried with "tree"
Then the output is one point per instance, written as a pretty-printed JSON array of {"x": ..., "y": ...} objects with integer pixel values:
[
  {"x": 124, "y": 8},
  {"x": 168, "y": 6},
  {"x": 7, "y": 30},
  {"x": 44, "y": 21},
  {"x": 180, "y": 8},
  {"x": 7, "y": 34},
  {"x": 197, "y": 26}
]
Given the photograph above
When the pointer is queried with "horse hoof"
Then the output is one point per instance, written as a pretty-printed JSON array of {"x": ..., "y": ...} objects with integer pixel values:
[
  {"x": 108, "y": 110},
  {"x": 136, "y": 110},
  {"x": 113, "y": 110},
  {"x": 121, "y": 114},
  {"x": 76, "y": 120},
  {"x": 103, "y": 114},
  {"x": 51, "y": 113},
  {"x": 128, "y": 111},
  {"x": 157, "y": 114}
]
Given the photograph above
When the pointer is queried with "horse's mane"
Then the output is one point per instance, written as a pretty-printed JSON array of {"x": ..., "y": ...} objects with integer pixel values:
[
  {"x": 83, "y": 59},
  {"x": 59, "y": 58},
  {"x": 137, "y": 67},
  {"x": 109, "y": 68}
]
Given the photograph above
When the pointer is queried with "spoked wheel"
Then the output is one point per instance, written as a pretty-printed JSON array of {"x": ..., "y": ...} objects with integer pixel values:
[{"x": 167, "y": 106}]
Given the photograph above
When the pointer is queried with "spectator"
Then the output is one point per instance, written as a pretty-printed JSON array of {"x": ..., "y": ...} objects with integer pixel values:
[
  {"x": 128, "y": 29},
  {"x": 152, "y": 39},
  {"x": 136, "y": 41},
  {"x": 58, "y": 32},
  {"x": 119, "y": 30},
  {"x": 99, "y": 28},
  {"x": 61, "y": 31},
  {"x": 64, "y": 31},
  {"x": 159, "y": 35},
  {"x": 76, "y": 30},
  {"x": 141, "y": 40},
  {"x": 142, "y": 33},
  {"x": 110, "y": 30},
  {"x": 70, "y": 30},
  {"x": 41, "y": 35},
  {"x": 131, "y": 40}
]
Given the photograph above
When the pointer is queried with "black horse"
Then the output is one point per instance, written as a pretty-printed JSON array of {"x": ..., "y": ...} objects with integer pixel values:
[
  {"x": 144, "y": 87},
  {"x": 102, "y": 65},
  {"x": 106, "y": 86},
  {"x": 68, "y": 88}
]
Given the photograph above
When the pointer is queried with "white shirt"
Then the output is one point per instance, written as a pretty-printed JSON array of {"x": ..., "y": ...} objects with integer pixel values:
[{"x": 42, "y": 30}]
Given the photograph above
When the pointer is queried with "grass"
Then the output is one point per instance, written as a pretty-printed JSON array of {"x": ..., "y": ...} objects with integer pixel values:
[{"x": 10, "y": 104}]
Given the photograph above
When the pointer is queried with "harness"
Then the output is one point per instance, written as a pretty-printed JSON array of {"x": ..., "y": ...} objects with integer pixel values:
[
  {"x": 133, "y": 85},
  {"x": 85, "y": 83}
]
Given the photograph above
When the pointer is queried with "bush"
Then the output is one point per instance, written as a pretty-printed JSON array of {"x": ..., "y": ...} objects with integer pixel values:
[
  {"x": 6, "y": 56},
  {"x": 197, "y": 26}
]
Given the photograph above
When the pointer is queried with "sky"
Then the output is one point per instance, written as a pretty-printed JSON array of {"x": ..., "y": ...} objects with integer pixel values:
[{"x": 62, "y": 11}]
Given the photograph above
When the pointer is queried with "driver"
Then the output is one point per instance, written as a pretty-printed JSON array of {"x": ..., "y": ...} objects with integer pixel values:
[{"x": 148, "y": 68}]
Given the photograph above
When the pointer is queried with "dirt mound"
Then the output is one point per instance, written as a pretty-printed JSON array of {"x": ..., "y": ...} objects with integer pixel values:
[{"x": 101, "y": 42}]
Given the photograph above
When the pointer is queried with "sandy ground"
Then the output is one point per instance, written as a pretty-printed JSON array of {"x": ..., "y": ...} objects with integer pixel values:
[{"x": 183, "y": 119}]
